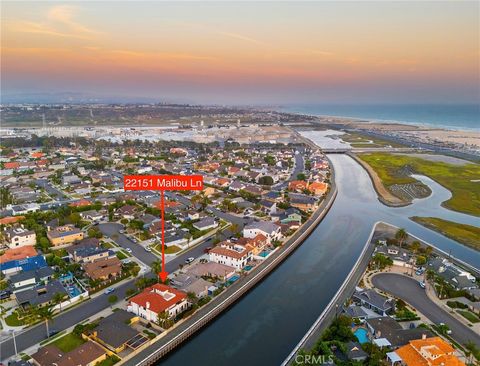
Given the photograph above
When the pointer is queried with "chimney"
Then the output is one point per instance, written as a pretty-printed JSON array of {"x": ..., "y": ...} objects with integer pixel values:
[
  {"x": 147, "y": 305},
  {"x": 424, "y": 336}
]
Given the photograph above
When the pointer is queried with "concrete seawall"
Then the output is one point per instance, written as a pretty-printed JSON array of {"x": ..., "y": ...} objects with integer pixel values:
[
  {"x": 209, "y": 312},
  {"x": 343, "y": 293}
]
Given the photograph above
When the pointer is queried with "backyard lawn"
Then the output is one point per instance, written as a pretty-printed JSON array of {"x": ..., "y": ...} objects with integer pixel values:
[
  {"x": 461, "y": 180},
  {"x": 466, "y": 234},
  {"x": 109, "y": 361},
  {"x": 68, "y": 342}
]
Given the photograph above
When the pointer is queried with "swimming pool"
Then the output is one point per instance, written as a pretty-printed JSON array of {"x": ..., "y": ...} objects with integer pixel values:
[
  {"x": 264, "y": 253},
  {"x": 247, "y": 268},
  {"x": 73, "y": 291},
  {"x": 233, "y": 279},
  {"x": 362, "y": 335}
]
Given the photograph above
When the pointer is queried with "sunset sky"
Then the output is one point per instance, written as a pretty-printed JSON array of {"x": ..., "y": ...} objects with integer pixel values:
[{"x": 262, "y": 52}]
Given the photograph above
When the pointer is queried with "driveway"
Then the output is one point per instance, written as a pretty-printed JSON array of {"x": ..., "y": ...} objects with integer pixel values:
[{"x": 410, "y": 291}]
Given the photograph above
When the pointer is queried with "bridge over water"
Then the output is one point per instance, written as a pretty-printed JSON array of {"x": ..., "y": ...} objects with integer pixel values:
[{"x": 366, "y": 150}]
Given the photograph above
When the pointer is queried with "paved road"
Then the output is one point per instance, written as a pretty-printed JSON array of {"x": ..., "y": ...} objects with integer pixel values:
[
  {"x": 240, "y": 221},
  {"x": 63, "y": 321},
  {"x": 51, "y": 190},
  {"x": 409, "y": 290},
  {"x": 298, "y": 167},
  {"x": 112, "y": 230},
  {"x": 91, "y": 307}
]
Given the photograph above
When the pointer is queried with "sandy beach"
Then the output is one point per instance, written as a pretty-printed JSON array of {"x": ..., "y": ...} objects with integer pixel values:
[{"x": 426, "y": 134}]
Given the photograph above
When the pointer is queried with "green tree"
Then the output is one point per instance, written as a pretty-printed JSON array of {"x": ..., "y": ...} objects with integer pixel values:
[
  {"x": 266, "y": 180},
  {"x": 192, "y": 297},
  {"x": 45, "y": 313},
  {"x": 415, "y": 246},
  {"x": 381, "y": 261},
  {"x": 164, "y": 320},
  {"x": 401, "y": 235},
  {"x": 156, "y": 268},
  {"x": 112, "y": 299},
  {"x": 95, "y": 232},
  {"x": 58, "y": 299},
  {"x": 421, "y": 260},
  {"x": 472, "y": 350}
]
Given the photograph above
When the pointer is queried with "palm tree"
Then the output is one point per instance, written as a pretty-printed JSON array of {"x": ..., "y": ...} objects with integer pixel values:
[
  {"x": 414, "y": 247},
  {"x": 471, "y": 350},
  {"x": 45, "y": 313},
  {"x": 428, "y": 251},
  {"x": 192, "y": 297},
  {"x": 156, "y": 268},
  {"x": 189, "y": 237},
  {"x": 58, "y": 299},
  {"x": 401, "y": 235}
]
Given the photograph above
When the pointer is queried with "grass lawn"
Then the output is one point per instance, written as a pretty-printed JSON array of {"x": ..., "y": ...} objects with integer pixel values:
[
  {"x": 60, "y": 252},
  {"x": 171, "y": 249},
  {"x": 471, "y": 317},
  {"x": 465, "y": 234},
  {"x": 107, "y": 245},
  {"x": 109, "y": 361},
  {"x": 13, "y": 321},
  {"x": 121, "y": 255},
  {"x": 68, "y": 342},
  {"x": 459, "y": 179}
]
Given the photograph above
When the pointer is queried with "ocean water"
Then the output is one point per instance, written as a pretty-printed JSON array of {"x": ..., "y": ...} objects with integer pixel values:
[{"x": 452, "y": 116}]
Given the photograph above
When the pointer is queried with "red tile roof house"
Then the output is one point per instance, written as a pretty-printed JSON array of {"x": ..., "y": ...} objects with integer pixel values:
[
  {"x": 297, "y": 185},
  {"x": 157, "y": 299}
]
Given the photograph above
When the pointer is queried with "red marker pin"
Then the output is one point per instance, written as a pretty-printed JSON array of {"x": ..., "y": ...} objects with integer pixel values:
[{"x": 163, "y": 183}]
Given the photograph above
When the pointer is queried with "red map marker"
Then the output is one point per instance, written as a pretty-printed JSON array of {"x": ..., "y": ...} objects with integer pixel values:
[
  {"x": 163, "y": 273},
  {"x": 163, "y": 183}
]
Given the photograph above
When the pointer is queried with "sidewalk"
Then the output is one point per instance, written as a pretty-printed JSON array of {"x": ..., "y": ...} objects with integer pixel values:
[
  {"x": 432, "y": 295},
  {"x": 430, "y": 291},
  {"x": 105, "y": 312}
]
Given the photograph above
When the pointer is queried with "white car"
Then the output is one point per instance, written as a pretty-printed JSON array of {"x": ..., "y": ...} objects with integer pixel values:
[
  {"x": 189, "y": 260},
  {"x": 128, "y": 250},
  {"x": 109, "y": 290},
  {"x": 148, "y": 249}
]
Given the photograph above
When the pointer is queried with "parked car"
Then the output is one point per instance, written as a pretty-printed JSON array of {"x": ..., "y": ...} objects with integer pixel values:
[
  {"x": 109, "y": 290},
  {"x": 189, "y": 260},
  {"x": 148, "y": 249},
  {"x": 422, "y": 284},
  {"x": 5, "y": 294},
  {"x": 52, "y": 332},
  {"x": 207, "y": 249},
  {"x": 128, "y": 250}
]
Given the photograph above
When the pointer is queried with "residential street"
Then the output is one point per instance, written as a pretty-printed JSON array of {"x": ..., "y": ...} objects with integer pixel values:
[
  {"x": 112, "y": 230},
  {"x": 409, "y": 290},
  {"x": 297, "y": 169},
  {"x": 91, "y": 307}
]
